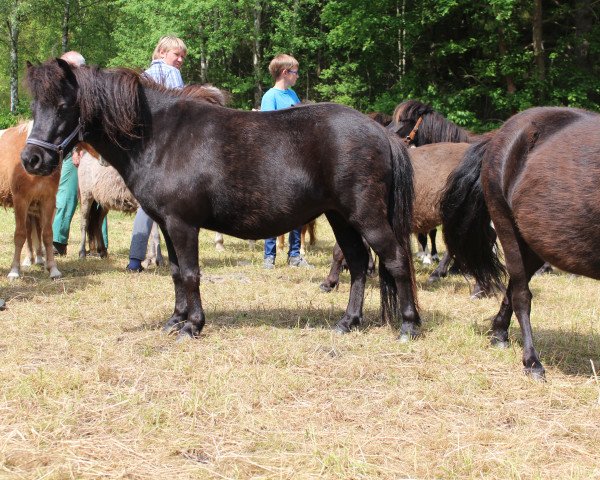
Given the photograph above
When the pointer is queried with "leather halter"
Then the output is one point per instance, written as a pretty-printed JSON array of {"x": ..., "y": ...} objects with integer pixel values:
[
  {"x": 59, "y": 148},
  {"x": 411, "y": 136}
]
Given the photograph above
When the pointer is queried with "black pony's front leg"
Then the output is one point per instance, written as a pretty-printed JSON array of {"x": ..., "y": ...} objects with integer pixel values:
[
  {"x": 180, "y": 313},
  {"x": 182, "y": 245}
]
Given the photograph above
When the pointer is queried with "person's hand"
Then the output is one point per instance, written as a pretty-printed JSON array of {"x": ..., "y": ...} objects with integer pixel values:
[{"x": 76, "y": 156}]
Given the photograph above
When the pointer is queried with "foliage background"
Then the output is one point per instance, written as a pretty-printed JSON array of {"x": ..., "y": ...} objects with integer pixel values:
[{"x": 477, "y": 62}]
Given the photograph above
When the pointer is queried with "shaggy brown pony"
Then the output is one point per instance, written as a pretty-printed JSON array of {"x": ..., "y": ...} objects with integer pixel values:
[{"x": 33, "y": 199}]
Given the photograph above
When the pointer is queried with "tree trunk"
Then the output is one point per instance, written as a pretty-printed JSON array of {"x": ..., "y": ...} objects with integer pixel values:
[
  {"x": 400, "y": 12},
  {"x": 584, "y": 21},
  {"x": 13, "y": 32},
  {"x": 538, "y": 46},
  {"x": 203, "y": 59},
  {"x": 256, "y": 54},
  {"x": 511, "y": 88},
  {"x": 65, "y": 26}
]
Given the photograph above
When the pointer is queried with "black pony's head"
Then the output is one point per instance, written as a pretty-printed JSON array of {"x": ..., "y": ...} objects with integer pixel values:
[{"x": 56, "y": 115}]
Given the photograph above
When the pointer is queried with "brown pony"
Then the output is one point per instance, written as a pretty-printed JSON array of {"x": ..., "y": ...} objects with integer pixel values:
[
  {"x": 33, "y": 199},
  {"x": 537, "y": 180}
]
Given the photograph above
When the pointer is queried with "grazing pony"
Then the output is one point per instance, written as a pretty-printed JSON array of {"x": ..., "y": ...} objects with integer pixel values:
[
  {"x": 33, "y": 199},
  {"x": 191, "y": 164},
  {"x": 537, "y": 180}
]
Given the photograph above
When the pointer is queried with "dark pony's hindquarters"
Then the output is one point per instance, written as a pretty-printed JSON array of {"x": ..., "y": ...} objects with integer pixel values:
[
  {"x": 468, "y": 234},
  {"x": 537, "y": 180}
]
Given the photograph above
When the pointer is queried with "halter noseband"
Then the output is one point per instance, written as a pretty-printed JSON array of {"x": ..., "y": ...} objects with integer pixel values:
[
  {"x": 59, "y": 148},
  {"x": 411, "y": 136}
]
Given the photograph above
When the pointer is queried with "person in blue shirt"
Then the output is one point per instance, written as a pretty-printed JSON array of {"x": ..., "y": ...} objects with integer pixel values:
[
  {"x": 167, "y": 58},
  {"x": 284, "y": 70}
]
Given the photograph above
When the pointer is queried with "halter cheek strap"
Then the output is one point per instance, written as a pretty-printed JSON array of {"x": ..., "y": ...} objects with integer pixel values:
[
  {"x": 411, "y": 136},
  {"x": 59, "y": 148}
]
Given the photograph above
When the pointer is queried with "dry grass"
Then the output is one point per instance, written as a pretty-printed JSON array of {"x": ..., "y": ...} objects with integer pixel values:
[{"x": 91, "y": 388}]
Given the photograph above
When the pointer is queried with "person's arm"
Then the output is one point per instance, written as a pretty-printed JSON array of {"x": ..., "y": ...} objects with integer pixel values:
[{"x": 76, "y": 155}]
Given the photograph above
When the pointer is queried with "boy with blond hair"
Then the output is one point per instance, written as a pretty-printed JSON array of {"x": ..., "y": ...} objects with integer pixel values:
[{"x": 167, "y": 58}]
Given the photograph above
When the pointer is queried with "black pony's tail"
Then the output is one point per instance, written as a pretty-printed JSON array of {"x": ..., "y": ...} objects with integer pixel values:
[
  {"x": 468, "y": 233},
  {"x": 400, "y": 212}
]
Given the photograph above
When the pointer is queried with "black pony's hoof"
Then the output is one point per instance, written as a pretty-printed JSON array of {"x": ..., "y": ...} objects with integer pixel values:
[
  {"x": 479, "y": 293},
  {"x": 409, "y": 332},
  {"x": 341, "y": 329},
  {"x": 536, "y": 373},
  {"x": 174, "y": 325},
  {"x": 500, "y": 344},
  {"x": 433, "y": 279},
  {"x": 189, "y": 331},
  {"x": 326, "y": 288}
]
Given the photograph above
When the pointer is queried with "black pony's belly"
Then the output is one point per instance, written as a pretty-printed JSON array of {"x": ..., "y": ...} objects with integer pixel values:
[{"x": 256, "y": 229}]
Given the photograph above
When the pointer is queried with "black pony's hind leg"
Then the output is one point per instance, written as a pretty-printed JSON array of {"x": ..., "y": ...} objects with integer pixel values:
[
  {"x": 180, "y": 313},
  {"x": 357, "y": 259},
  {"x": 442, "y": 269},
  {"x": 396, "y": 279},
  {"x": 422, "y": 240},
  {"x": 434, "y": 253}
]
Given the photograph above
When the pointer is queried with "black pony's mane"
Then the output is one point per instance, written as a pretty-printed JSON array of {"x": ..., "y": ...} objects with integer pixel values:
[
  {"x": 114, "y": 96},
  {"x": 434, "y": 128}
]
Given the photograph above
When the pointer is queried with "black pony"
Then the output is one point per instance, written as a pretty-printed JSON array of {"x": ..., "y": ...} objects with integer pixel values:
[
  {"x": 191, "y": 165},
  {"x": 537, "y": 180}
]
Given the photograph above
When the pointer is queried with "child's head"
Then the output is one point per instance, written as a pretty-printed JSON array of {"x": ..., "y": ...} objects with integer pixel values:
[
  {"x": 280, "y": 63},
  {"x": 170, "y": 49}
]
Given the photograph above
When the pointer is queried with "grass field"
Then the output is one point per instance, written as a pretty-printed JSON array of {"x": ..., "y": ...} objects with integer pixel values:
[{"x": 91, "y": 388}]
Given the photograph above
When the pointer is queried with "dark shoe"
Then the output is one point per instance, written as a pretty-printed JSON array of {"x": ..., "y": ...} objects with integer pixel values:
[
  {"x": 128, "y": 269},
  {"x": 299, "y": 261},
  {"x": 59, "y": 249},
  {"x": 2, "y": 304},
  {"x": 269, "y": 263}
]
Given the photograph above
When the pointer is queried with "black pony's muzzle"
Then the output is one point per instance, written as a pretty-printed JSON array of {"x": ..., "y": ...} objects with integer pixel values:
[{"x": 38, "y": 161}]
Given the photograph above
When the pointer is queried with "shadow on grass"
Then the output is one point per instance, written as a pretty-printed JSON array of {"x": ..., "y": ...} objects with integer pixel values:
[{"x": 36, "y": 281}]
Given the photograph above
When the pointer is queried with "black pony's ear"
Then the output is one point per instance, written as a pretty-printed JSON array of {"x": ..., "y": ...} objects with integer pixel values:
[
  {"x": 68, "y": 70},
  {"x": 28, "y": 64}
]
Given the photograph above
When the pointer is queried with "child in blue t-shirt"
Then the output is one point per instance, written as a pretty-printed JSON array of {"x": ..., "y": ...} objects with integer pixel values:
[{"x": 284, "y": 70}]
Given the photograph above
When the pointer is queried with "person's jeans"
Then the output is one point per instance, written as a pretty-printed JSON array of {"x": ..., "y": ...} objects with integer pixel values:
[
  {"x": 294, "y": 239},
  {"x": 142, "y": 226}
]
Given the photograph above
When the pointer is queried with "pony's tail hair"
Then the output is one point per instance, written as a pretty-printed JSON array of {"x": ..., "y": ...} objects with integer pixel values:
[
  {"x": 94, "y": 228},
  {"x": 400, "y": 210},
  {"x": 468, "y": 233}
]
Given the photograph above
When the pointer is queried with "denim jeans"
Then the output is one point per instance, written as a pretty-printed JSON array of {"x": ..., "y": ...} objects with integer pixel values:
[
  {"x": 142, "y": 226},
  {"x": 294, "y": 239}
]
